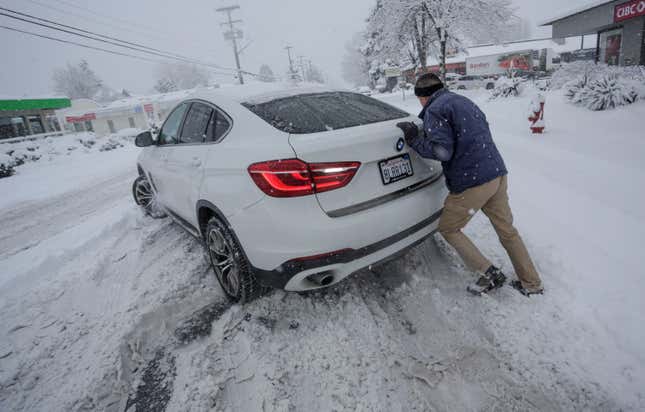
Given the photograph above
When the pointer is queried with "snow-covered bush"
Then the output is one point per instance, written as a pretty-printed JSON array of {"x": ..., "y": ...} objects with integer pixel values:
[
  {"x": 598, "y": 86},
  {"x": 606, "y": 92},
  {"x": 6, "y": 165},
  {"x": 88, "y": 142},
  {"x": 573, "y": 72},
  {"x": 111, "y": 144},
  {"x": 507, "y": 87},
  {"x": 22, "y": 156},
  {"x": 573, "y": 88}
]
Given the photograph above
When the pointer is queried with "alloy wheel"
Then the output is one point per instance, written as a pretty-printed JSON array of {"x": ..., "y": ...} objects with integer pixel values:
[
  {"x": 223, "y": 262},
  {"x": 143, "y": 195}
]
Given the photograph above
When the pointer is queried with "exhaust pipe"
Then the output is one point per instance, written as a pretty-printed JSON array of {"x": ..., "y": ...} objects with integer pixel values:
[{"x": 322, "y": 278}]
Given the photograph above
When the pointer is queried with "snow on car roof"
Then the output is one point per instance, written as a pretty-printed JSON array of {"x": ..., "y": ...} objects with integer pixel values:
[{"x": 256, "y": 93}]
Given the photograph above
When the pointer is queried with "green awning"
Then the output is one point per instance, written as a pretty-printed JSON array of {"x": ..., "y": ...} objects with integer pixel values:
[{"x": 34, "y": 104}]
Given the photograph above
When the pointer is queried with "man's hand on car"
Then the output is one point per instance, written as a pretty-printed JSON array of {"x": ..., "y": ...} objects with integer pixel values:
[{"x": 410, "y": 131}]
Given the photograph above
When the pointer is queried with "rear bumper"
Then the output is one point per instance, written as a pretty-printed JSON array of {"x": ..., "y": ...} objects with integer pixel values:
[{"x": 292, "y": 275}]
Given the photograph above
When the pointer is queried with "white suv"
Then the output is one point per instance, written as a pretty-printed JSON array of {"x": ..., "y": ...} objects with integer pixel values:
[{"x": 293, "y": 189}]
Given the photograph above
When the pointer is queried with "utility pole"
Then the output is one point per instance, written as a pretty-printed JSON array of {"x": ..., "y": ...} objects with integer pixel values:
[
  {"x": 233, "y": 34},
  {"x": 291, "y": 72},
  {"x": 302, "y": 67}
]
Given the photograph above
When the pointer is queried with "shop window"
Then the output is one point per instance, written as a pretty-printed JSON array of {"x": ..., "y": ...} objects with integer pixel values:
[
  {"x": 36, "y": 124},
  {"x": 111, "y": 126},
  {"x": 88, "y": 126},
  {"x": 131, "y": 122},
  {"x": 78, "y": 127},
  {"x": 6, "y": 128},
  {"x": 610, "y": 45},
  {"x": 52, "y": 124}
]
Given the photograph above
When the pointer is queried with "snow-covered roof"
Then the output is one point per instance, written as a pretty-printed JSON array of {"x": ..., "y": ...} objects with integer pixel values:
[
  {"x": 571, "y": 12},
  {"x": 570, "y": 44},
  {"x": 258, "y": 92},
  {"x": 36, "y": 97}
]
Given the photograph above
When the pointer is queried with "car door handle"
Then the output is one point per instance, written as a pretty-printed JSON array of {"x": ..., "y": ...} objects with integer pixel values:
[{"x": 196, "y": 162}]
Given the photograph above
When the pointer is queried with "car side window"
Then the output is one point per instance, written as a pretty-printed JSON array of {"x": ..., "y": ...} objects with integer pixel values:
[
  {"x": 170, "y": 130},
  {"x": 217, "y": 126},
  {"x": 196, "y": 124}
]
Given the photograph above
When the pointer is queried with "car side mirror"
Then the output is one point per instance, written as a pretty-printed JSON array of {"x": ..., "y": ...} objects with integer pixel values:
[{"x": 144, "y": 139}]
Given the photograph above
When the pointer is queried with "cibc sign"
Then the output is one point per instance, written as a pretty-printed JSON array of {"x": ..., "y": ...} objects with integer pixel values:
[{"x": 629, "y": 10}]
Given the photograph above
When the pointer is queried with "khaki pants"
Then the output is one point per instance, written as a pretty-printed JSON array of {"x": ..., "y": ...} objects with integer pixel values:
[{"x": 492, "y": 199}]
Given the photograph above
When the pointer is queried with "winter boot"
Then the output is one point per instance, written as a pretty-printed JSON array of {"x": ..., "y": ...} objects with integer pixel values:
[
  {"x": 516, "y": 284},
  {"x": 493, "y": 278}
]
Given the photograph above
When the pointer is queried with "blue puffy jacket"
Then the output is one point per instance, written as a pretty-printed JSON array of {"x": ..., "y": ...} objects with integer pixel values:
[{"x": 457, "y": 134}]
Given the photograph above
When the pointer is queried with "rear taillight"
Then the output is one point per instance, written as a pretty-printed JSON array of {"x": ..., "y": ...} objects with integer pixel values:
[{"x": 293, "y": 177}]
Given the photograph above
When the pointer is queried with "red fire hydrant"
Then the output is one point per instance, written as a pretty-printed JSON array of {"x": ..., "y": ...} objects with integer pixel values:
[{"x": 536, "y": 114}]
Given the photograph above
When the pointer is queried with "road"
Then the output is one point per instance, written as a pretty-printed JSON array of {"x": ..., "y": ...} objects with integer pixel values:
[{"x": 104, "y": 308}]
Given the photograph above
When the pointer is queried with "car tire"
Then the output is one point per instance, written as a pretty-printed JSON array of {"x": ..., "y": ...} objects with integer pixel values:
[
  {"x": 145, "y": 197},
  {"x": 490, "y": 86},
  {"x": 229, "y": 263}
]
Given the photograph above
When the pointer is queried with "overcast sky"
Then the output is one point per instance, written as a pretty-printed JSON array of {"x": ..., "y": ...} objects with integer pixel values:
[{"x": 316, "y": 29}]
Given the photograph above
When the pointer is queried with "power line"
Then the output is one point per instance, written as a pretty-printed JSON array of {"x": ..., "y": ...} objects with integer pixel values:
[
  {"x": 108, "y": 20},
  {"x": 86, "y": 46},
  {"x": 149, "y": 29},
  {"x": 86, "y": 31},
  {"x": 140, "y": 48},
  {"x": 76, "y": 44}
]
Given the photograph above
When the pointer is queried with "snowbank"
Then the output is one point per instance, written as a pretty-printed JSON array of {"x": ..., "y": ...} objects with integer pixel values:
[{"x": 69, "y": 146}]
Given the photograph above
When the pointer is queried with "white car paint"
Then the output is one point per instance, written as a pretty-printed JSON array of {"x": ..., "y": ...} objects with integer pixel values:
[{"x": 273, "y": 230}]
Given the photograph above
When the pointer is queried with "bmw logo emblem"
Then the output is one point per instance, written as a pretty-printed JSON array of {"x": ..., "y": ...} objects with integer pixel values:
[{"x": 400, "y": 144}]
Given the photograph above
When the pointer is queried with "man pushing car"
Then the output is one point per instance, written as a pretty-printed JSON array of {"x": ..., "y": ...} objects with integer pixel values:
[{"x": 455, "y": 132}]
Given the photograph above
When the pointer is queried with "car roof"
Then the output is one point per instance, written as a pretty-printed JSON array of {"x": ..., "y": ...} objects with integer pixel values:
[{"x": 256, "y": 93}]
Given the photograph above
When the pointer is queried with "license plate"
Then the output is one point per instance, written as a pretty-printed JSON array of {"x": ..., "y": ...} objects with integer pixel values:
[{"x": 395, "y": 169}]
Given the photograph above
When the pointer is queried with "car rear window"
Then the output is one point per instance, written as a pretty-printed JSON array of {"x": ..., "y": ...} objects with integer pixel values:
[{"x": 319, "y": 112}]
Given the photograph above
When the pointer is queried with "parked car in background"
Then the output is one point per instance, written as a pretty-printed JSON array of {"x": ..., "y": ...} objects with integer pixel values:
[
  {"x": 469, "y": 82},
  {"x": 364, "y": 90},
  {"x": 451, "y": 79},
  {"x": 293, "y": 188}
]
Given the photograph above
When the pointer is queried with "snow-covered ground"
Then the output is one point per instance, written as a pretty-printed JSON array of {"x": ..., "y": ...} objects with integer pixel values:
[{"x": 103, "y": 308}]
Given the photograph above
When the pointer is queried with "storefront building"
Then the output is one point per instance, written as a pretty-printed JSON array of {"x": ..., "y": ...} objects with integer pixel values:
[
  {"x": 24, "y": 117},
  {"x": 136, "y": 112},
  {"x": 620, "y": 26}
]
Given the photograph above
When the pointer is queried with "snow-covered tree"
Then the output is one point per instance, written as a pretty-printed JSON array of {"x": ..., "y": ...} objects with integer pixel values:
[
  {"x": 165, "y": 85},
  {"x": 106, "y": 95},
  {"x": 313, "y": 74},
  {"x": 407, "y": 30},
  {"x": 266, "y": 74},
  {"x": 398, "y": 30},
  {"x": 77, "y": 81},
  {"x": 354, "y": 65},
  {"x": 182, "y": 75}
]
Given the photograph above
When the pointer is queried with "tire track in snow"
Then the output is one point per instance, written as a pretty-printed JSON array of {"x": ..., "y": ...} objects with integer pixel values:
[{"x": 26, "y": 225}]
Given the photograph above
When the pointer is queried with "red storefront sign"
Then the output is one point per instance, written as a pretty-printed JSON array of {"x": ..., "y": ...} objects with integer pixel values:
[
  {"x": 148, "y": 108},
  {"x": 79, "y": 119},
  {"x": 629, "y": 10}
]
